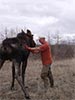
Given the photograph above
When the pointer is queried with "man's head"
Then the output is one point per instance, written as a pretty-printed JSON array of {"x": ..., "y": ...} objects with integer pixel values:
[{"x": 42, "y": 40}]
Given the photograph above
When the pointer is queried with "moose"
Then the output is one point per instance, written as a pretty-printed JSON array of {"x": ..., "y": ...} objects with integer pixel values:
[{"x": 12, "y": 49}]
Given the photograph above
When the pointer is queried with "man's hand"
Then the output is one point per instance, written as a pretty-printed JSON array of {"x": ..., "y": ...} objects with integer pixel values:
[
  {"x": 33, "y": 50},
  {"x": 26, "y": 47}
]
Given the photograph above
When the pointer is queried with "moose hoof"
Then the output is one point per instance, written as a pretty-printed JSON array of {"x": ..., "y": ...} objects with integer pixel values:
[
  {"x": 11, "y": 88},
  {"x": 27, "y": 97},
  {"x": 26, "y": 87}
]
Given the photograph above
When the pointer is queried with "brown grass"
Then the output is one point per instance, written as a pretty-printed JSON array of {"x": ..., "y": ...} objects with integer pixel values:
[{"x": 64, "y": 77}]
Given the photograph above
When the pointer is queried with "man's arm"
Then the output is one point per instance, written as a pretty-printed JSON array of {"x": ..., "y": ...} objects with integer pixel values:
[{"x": 33, "y": 50}]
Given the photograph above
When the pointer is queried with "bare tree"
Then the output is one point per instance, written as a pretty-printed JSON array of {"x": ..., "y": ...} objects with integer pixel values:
[
  {"x": 6, "y": 30},
  {"x": 12, "y": 32}
]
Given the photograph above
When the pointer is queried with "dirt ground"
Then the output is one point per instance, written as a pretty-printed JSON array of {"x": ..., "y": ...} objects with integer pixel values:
[{"x": 64, "y": 80}]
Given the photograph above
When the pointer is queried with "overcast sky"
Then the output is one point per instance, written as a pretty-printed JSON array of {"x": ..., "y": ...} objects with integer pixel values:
[{"x": 41, "y": 16}]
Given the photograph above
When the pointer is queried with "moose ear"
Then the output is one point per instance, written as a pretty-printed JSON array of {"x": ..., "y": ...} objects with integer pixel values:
[
  {"x": 29, "y": 33},
  {"x": 22, "y": 31}
]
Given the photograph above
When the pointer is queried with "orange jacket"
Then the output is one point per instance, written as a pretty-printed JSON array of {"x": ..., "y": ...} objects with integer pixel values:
[{"x": 46, "y": 54}]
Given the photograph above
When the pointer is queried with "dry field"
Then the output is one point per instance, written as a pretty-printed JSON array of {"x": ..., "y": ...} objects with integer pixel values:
[{"x": 64, "y": 77}]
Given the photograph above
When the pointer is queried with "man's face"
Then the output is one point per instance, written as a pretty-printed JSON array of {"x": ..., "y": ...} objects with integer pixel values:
[{"x": 41, "y": 40}]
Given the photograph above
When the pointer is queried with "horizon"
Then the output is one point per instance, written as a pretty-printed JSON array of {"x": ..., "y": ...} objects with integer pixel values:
[
  {"x": 39, "y": 16},
  {"x": 52, "y": 38}
]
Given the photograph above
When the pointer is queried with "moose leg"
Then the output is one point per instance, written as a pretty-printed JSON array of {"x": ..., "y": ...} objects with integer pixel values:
[
  {"x": 24, "y": 64},
  {"x": 13, "y": 76},
  {"x": 19, "y": 79},
  {"x": 1, "y": 63}
]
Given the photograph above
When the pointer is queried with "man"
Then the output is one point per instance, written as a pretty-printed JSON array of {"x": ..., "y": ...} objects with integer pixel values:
[{"x": 46, "y": 61}]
